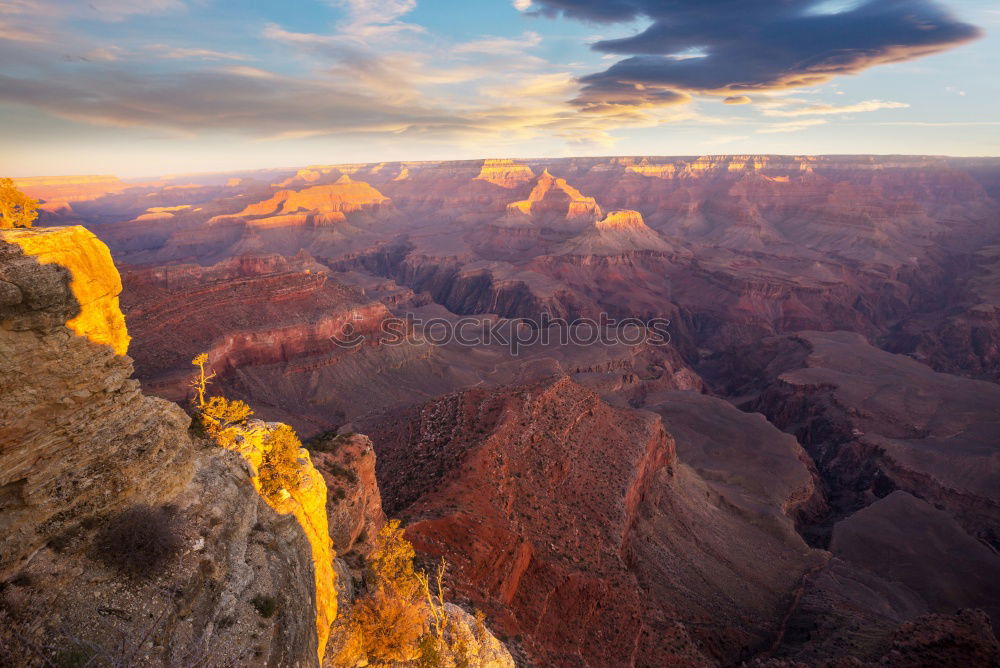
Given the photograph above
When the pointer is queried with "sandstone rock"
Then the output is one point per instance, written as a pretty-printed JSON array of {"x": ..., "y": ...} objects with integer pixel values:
[
  {"x": 79, "y": 442},
  {"x": 505, "y": 173},
  {"x": 77, "y": 437},
  {"x": 306, "y": 502},
  {"x": 553, "y": 201},
  {"x": 354, "y": 505},
  {"x": 343, "y": 196}
]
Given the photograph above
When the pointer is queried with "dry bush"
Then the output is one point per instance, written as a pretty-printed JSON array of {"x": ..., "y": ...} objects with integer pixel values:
[
  {"x": 140, "y": 541},
  {"x": 16, "y": 208},
  {"x": 384, "y": 629},
  {"x": 280, "y": 468},
  {"x": 222, "y": 418}
]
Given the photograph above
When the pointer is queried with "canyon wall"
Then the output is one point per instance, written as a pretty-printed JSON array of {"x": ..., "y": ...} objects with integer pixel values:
[{"x": 80, "y": 445}]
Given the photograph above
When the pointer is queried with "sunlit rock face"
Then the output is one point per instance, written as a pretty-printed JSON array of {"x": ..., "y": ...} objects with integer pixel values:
[
  {"x": 347, "y": 463},
  {"x": 505, "y": 173},
  {"x": 306, "y": 501},
  {"x": 93, "y": 280},
  {"x": 343, "y": 196},
  {"x": 552, "y": 200}
]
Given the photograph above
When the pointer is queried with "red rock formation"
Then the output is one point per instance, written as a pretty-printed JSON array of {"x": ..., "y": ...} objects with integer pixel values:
[
  {"x": 344, "y": 196},
  {"x": 505, "y": 173},
  {"x": 253, "y": 310},
  {"x": 575, "y": 527},
  {"x": 619, "y": 232},
  {"x": 553, "y": 201},
  {"x": 354, "y": 502}
]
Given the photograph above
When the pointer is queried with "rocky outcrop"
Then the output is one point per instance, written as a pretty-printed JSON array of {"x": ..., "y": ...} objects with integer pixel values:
[
  {"x": 619, "y": 232},
  {"x": 241, "y": 591},
  {"x": 77, "y": 437},
  {"x": 553, "y": 201},
  {"x": 505, "y": 173},
  {"x": 79, "y": 444},
  {"x": 94, "y": 285},
  {"x": 347, "y": 463},
  {"x": 306, "y": 501},
  {"x": 343, "y": 196},
  {"x": 551, "y": 506}
]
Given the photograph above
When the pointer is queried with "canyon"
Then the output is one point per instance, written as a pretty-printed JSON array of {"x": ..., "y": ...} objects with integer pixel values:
[{"x": 806, "y": 470}]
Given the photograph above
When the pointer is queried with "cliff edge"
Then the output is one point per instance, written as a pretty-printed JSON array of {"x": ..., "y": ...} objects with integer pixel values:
[{"x": 92, "y": 472}]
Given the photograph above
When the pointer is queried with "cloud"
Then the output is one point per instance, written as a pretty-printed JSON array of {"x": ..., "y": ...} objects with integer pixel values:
[
  {"x": 14, "y": 33},
  {"x": 737, "y": 99},
  {"x": 792, "y": 126},
  {"x": 522, "y": 5},
  {"x": 104, "y": 10},
  {"x": 377, "y": 11},
  {"x": 616, "y": 96},
  {"x": 756, "y": 45},
  {"x": 369, "y": 75},
  {"x": 376, "y": 18},
  {"x": 496, "y": 45},
  {"x": 830, "y": 109},
  {"x": 182, "y": 53}
]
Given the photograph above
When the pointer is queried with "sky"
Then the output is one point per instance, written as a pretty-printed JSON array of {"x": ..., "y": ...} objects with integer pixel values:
[{"x": 153, "y": 87}]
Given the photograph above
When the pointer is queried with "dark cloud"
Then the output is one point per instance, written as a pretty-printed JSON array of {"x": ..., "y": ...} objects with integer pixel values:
[
  {"x": 615, "y": 95},
  {"x": 747, "y": 45}
]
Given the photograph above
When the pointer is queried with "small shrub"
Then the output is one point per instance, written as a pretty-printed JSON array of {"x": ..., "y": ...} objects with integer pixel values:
[
  {"x": 384, "y": 630},
  {"x": 339, "y": 494},
  {"x": 266, "y": 605},
  {"x": 336, "y": 469},
  {"x": 279, "y": 468},
  {"x": 323, "y": 442},
  {"x": 60, "y": 543},
  {"x": 140, "y": 541},
  {"x": 73, "y": 657}
]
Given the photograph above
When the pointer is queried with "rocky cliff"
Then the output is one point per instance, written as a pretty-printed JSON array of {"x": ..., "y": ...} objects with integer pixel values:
[
  {"x": 578, "y": 529},
  {"x": 77, "y": 437},
  {"x": 81, "y": 447}
]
